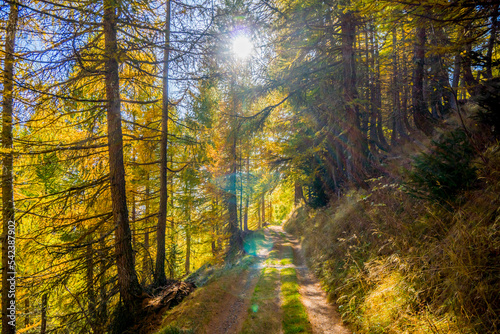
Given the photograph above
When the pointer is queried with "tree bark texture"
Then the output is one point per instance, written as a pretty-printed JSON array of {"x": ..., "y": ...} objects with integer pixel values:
[
  {"x": 159, "y": 275},
  {"x": 8, "y": 221},
  {"x": 420, "y": 112},
  {"x": 356, "y": 142},
  {"x": 129, "y": 287}
]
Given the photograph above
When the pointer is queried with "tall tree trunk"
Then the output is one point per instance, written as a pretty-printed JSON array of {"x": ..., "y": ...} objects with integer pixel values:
[
  {"x": 235, "y": 241},
  {"x": 90, "y": 284},
  {"x": 491, "y": 43},
  {"x": 299, "y": 193},
  {"x": 263, "y": 207},
  {"x": 420, "y": 112},
  {"x": 245, "y": 217},
  {"x": 372, "y": 131},
  {"x": 145, "y": 258},
  {"x": 471, "y": 83},
  {"x": 241, "y": 187},
  {"x": 103, "y": 298},
  {"x": 248, "y": 193},
  {"x": 456, "y": 72},
  {"x": 172, "y": 259},
  {"x": 232, "y": 205},
  {"x": 270, "y": 210},
  {"x": 27, "y": 319},
  {"x": 399, "y": 132},
  {"x": 8, "y": 222},
  {"x": 456, "y": 80},
  {"x": 159, "y": 275},
  {"x": 215, "y": 231},
  {"x": 378, "y": 100},
  {"x": 258, "y": 214},
  {"x": 187, "y": 263},
  {"x": 133, "y": 227},
  {"x": 43, "y": 325},
  {"x": 356, "y": 141},
  {"x": 404, "y": 83},
  {"x": 129, "y": 287}
]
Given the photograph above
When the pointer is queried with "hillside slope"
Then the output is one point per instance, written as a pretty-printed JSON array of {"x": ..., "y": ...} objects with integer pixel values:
[{"x": 397, "y": 263}]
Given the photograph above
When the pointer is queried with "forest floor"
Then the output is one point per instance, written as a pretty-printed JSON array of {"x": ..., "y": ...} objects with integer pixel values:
[{"x": 275, "y": 294}]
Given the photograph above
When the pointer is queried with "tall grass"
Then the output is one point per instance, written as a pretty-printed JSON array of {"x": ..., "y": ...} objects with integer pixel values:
[{"x": 398, "y": 264}]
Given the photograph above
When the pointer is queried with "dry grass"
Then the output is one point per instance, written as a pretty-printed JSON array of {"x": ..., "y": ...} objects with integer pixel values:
[
  {"x": 202, "y": 305},
  {"x": 396, "y": 264}
]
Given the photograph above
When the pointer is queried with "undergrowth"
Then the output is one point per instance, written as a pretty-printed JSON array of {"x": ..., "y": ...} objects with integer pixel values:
[{"x": 395, "y": 263}]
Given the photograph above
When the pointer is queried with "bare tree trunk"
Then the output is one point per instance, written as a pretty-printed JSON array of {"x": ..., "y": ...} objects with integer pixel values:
[
  {"x": 159, "y": 275},
  {"x": 404, "y": 83},
  {"x": 248, "y": 193},
  {"x": 187, "y": 264},
  {"x": 231, "y": 196},
  {"x": 356, "y": 140},
  {"x": 146, "y": 269},
  {"x": 420, "y": 112},
  {"x": 103, "y": 299},
  {"x": 456, "y": 72},
  {"x": 399, "y": 132},
  {"x": 90, "y": 283},
  {"x": 27, "y": 319},
  {"x": 241, "y": 187},
  {"x": 263, "y": 206},
  {"x": 378, "y": 100},
  {"x": 8, "y": 222},
  {"x": 129, "y": 287},
  {"x": 270, "y": 210},
  {"x": 172, "y": 259},
  {"x": 491, "y": 43},
  {"x": 258, "y": 213},
  {"x": 299, "y": 193},
  {"x": 133, "y": 227},
  {"x": 43, "y": 325},
  {"x": 235, "y": 241},
  {"x": 372, "y": 131}
]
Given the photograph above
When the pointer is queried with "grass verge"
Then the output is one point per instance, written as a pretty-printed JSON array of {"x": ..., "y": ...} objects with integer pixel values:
[
  {"x": 264, "y": 313},
  {"x": 294, "y": 313},
  {"x": 196, "y": 311}
]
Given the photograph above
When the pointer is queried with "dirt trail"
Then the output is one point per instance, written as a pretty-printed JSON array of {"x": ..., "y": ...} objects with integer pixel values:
[
  {"x": 234, "y": 307},
  {"x": 230, "y": 317},
  {"x": 322, "y": 315}
]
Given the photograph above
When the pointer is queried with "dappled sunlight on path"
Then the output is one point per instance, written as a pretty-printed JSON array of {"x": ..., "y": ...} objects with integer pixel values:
[{"x": 322, "y": 315}]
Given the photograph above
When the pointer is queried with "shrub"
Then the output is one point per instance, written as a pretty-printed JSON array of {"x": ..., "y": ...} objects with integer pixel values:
[{"x": 445, "y": 171}]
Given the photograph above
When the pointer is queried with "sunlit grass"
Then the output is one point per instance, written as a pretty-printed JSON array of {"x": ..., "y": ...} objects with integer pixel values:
[
  {"x": 264, "y": 315},
  {"x": 295, "y": 318},
  {"x": 199, "y": 308}
]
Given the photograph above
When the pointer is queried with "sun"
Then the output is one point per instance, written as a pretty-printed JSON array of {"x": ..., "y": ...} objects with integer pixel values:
[{"x": 242, "y": 47}]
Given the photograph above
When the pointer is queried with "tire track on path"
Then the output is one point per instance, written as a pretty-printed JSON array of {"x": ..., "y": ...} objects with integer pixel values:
[{"x": 323, "y": 316}]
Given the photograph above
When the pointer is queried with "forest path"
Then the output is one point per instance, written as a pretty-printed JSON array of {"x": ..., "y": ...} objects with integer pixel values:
[
  {"x": 235, "y": 312},
  {"x": 322, "y": 315},
  {"x": 234, "y": 307}
]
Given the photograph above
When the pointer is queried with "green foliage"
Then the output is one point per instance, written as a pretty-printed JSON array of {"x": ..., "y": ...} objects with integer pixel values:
[{"x": 445, "y": 171}]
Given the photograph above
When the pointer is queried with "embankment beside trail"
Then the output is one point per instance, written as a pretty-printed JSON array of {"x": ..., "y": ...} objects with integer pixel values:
[{"x": 397, "y": 264}]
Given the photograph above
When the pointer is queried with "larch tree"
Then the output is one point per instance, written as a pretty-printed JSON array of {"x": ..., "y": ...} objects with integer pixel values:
[
  {"x": 159, "y": 274},
  {"x": 8, "y": 217},
  {"x": 130, "y": 289}
]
